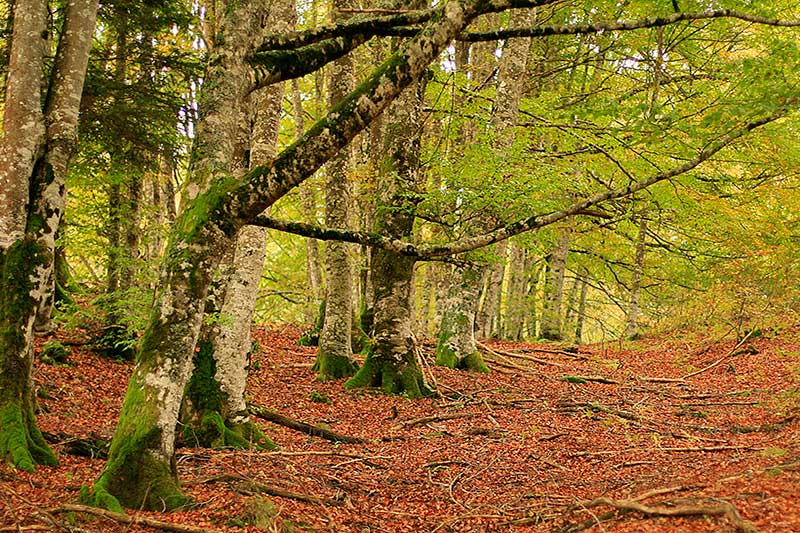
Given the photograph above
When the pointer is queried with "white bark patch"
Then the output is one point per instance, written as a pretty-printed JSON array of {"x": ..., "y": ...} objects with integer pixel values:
[
  {"x": 233, "y": 342},
  {"x": 167, "y": 382}
]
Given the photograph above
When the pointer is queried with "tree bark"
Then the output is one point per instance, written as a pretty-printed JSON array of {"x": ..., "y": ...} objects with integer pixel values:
[
  {"x": 391, "y": 362},
  {"x": 632, "y": 318},
  {"x": 488, "y": 319},
  {"x": 335, "y": 354},
  {"x": 456, "y": 347},
  {"x": 34, "y": 156},
  {"x": 457, "y": 331},
  {"x": 313, "y": 268},
  {"x": 516, "y": 300},
  {"x": 551, "y": 327},
  {"x": 215, "y": 411}
]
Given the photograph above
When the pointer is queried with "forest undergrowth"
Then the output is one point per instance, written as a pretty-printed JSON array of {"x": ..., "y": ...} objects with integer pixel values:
[{"x": 673, "y": 434}]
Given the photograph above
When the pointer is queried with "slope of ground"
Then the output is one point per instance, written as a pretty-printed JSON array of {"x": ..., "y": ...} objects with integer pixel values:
[{"x": 667, "y": 435}]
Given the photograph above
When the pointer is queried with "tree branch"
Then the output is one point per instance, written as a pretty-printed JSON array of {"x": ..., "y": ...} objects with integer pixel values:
[
  {"x": 624, "y": 25},
  {"x": 430, "y": 252},
  {"x": 403, "y": 25},
  {"x": 272, "y": 66}
]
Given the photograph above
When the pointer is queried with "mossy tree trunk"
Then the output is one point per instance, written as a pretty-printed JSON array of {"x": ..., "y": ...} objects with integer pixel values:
[
  {"x": 391, "y": 362},
  {"x": 215, "y": 411},
  {"x": 35, "y": 153},
  {"x": 456, "y": 347},
  {"x": 140, "y": 472},
  {"x": 335, "y": 353}
]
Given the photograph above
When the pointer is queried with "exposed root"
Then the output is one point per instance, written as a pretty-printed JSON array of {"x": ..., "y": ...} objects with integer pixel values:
[
  {"x": 724, "y": 509},
  {"x": 308, "y": 429},
  {"x": 137, "y": 520}
]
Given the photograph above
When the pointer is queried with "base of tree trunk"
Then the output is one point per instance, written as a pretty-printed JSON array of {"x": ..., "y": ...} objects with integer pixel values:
[
  {"x": 393, "y": 377},
  {"x": 135, "y": 479},
  {"x": 21, "y": 442},
  {"x": 333, "y": 367},
  {"x": 214, "y": 432},
  {"x": 473, "y": 362}
]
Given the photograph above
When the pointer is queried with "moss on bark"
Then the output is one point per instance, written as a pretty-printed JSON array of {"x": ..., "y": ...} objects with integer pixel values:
[
  {"x": 134, "y": 476},
  {"x": 446, "y": 356},
  {"x": 329, "y": 366},
  {"x": 393, "y": 377},
  {"x": 204, "y": 424},
  {"x": 21, "y": 442}
]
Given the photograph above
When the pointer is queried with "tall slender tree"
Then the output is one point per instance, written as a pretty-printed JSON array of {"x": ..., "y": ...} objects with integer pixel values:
[{"x": 335, "y": 354}]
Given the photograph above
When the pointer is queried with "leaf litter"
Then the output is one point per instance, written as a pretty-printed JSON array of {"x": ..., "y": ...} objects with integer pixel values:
[{"x": 658, "y": 435}]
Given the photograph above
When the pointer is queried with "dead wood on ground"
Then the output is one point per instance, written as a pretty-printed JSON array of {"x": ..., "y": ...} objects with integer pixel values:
[{"x": 308, "y": 429}]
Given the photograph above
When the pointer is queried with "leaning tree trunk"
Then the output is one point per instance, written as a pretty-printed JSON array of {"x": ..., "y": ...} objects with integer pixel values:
[
  {"x": 140, "y": 472},
  {"x": 335, "y": 354},
  {"x": 35, "y": 153}
]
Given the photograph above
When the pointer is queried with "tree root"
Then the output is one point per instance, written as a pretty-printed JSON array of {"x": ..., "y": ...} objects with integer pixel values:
[
  {"x": 725, "y": 509},
  {"x": 133, "y": 520},
  {"x": 302, "y": 427}
]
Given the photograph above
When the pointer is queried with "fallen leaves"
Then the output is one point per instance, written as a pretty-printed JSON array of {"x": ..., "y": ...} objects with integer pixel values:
[{"x": 519, "y": 450}]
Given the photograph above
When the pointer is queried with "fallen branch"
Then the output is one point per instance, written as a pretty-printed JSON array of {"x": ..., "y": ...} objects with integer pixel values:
[
  {"x": 516, "y": 355},
  {"x": 308, "y": 429},
  {"x": 725, "y": 509},
  {"x": 432, "y": 418},
  {"x": 733, "y": 352},
  {"x": 584, "y": 379},
  {"x": 135, "y": 520},
  {"x": 252, "y": 487},
  {"x": 774, "y": 426}
]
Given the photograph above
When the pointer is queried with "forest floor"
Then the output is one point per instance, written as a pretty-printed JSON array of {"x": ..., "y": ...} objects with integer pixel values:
[{"x": 671, "y": 434}]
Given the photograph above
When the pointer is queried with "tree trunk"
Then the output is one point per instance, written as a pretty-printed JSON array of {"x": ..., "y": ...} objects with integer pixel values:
[
  {"x": 140, "y": 471},
  {"x": 335, "y": 354},
  {"x": 581, "y": 318},
  {"x": 554, "y": 288},
  {"x": 456, "y": 347},
  {"x": 488, "y": 320},
  {"x": 391, "y": 362},
  {"x": 457, "y": 331},
  {"x": 516, "y": 297},
  {"x": 632, "y": 318},
  {"x": 313, "y": 268},
  {"x": 34, "y": 156},
  {"x": 215, "y": 412}
]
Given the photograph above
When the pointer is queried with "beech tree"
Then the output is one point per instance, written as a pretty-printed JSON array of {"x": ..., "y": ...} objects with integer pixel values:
[{"x": 37, "y": 147}]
